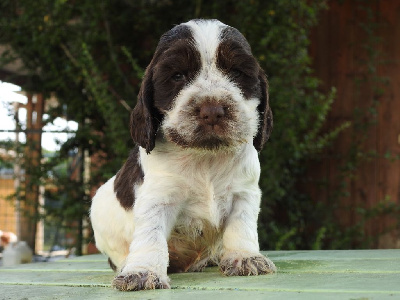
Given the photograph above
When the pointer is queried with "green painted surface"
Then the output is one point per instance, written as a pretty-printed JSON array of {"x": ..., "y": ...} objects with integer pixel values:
[{"x": 360, "y": 274}]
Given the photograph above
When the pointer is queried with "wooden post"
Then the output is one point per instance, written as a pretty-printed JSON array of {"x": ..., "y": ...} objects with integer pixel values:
[{"x": 32, "y": 155}]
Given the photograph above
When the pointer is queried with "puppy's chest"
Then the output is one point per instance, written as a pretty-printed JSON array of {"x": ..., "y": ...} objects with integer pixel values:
[
  {"x": 199, "y": 227},
  {"x": 204, "y": 185},
  {"x": 209, "y": 199}
]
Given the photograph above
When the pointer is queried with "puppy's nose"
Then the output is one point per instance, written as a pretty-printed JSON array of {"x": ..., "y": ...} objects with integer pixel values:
[{"x": 211, "y": 114}]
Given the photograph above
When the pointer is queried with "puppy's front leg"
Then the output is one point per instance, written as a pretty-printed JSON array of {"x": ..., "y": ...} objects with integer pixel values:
[
  {"x": 146, "y": 265},
  {"x": 240, "y": 254}
]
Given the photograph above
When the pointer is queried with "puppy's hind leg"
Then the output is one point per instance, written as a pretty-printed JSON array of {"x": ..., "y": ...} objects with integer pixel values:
[{"x": 112, "y": 225}]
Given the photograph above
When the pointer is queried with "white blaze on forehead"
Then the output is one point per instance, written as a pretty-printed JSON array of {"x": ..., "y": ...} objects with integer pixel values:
[{"x": 206, "y": 34}]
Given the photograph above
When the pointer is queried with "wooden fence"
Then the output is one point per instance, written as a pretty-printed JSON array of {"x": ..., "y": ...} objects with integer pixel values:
[{"x": 356, "y": 48}]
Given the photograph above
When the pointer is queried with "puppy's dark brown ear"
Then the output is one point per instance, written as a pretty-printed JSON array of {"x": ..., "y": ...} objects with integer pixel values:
[
  {"x": 144, "y": 117},
  {"x": 264, "y": 114}
]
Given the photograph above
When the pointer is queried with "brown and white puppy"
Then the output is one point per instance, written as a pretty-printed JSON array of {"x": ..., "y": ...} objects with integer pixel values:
[{"x": 188, "y": 194}]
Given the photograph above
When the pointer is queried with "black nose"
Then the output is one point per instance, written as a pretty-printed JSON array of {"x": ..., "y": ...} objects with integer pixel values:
[{"x": 211, "y": 114}]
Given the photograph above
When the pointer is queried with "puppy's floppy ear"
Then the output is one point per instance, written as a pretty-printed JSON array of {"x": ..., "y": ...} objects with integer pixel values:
[
  {"x": 264, "y": 114},
  {"x": 144, "y": 117}
]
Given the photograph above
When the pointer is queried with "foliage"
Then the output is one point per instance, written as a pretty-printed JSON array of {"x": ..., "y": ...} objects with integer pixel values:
[
  {"x": 5, "y": 162},
  {"x": 92, "y": 55}
]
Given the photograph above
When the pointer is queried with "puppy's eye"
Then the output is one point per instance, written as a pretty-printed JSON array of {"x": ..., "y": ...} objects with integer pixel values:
[
  {"x": 235, "y": 73},
  {"x": 178, "y": 77}
]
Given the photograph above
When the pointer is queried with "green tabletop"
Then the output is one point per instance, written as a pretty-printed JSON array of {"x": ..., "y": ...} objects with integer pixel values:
[{"x": 350, "y": 274}]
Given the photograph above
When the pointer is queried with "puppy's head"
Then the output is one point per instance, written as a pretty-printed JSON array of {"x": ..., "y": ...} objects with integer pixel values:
[{"x": 203, "y": 89}]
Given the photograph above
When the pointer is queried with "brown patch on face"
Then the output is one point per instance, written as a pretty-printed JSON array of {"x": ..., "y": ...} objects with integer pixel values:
[
  {"x": 234, "y": 59},
  {"x": 176, "y": 67},
  {"x": 130, "y": 174},
  {"x": 174, "y": 136},
  {"x": 175, "y": 63}
]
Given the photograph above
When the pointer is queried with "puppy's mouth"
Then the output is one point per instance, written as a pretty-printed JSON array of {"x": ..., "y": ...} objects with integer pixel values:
[
  {"x": 211, "y": 131},
  {"x": 204, "y": 137}
]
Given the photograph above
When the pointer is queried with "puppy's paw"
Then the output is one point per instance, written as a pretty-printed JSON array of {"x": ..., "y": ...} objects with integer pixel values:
[
  {"x": 140, "y": 281},
  {"x": 246, "y": 266}
]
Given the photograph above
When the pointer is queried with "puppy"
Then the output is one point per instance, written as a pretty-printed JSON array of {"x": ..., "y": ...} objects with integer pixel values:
[{"x": 188, "y": 194}]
